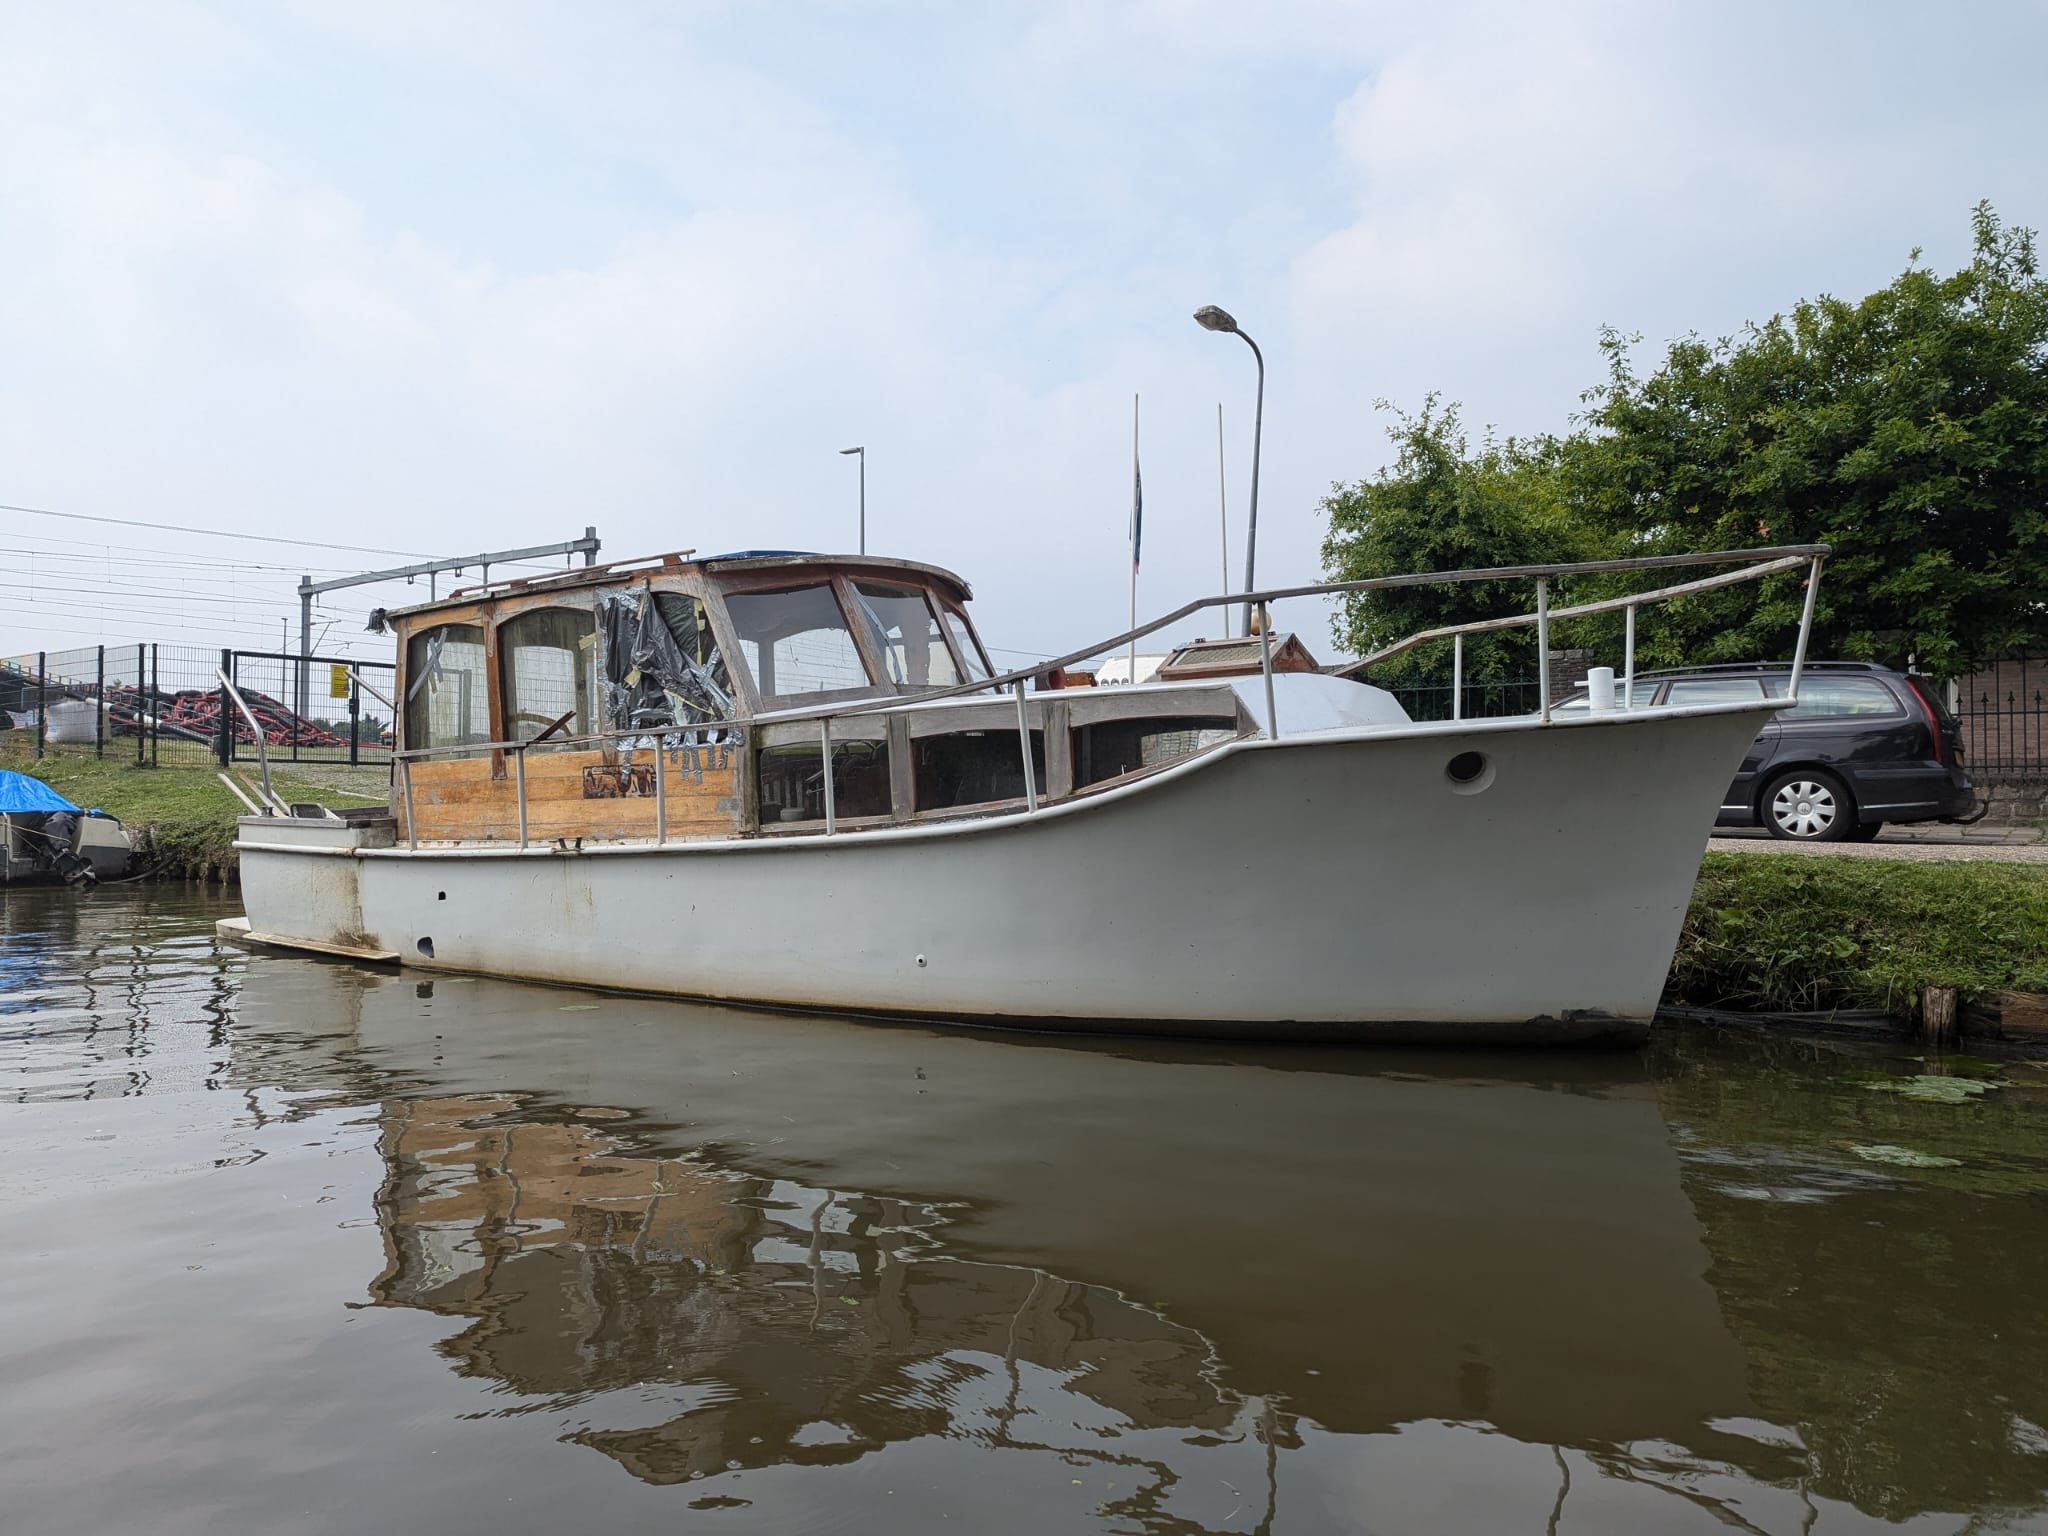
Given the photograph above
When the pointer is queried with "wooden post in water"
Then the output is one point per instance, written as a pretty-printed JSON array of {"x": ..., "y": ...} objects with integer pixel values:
[{"x": 1938, "y": 1015}]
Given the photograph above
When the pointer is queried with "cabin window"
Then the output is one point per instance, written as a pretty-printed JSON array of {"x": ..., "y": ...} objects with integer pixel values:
[
  {"x": 968, "y": 647},
  {"x": 447, "y": 702},
  {"x": 1109, "y": 749},
  {"x": 662, "y": 666},
  {"x": 796, "y": 642},
  {"x": 973, "y": 768},
  {"x": 793, "y": 788},
  {"x": 908, "y": 635},
  {"x": 548, "y": 660}
]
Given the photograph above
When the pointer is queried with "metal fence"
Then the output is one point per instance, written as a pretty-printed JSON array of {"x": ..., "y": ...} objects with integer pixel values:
[
  {"x": 1482, "y": 700},
  {"x": 341, "y": 722},
  {"x": 154, "y": 704},
  {"x": 2003, "y": 712},
  {"x": 105, "y": 701}
]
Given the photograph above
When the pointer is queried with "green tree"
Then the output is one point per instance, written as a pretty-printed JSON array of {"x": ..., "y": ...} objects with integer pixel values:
[
  {"x": 1908, "y": 429},
  {"x": 1443, "y": 505}
]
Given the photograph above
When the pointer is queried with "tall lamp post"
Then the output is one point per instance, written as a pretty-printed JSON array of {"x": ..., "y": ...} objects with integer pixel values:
[
  {"x": 863, "y": 493},
  {"x": 1210, "y": 318}
]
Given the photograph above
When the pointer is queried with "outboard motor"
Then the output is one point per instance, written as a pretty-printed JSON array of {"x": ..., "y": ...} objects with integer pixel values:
[{"x": 60, "y": 850}]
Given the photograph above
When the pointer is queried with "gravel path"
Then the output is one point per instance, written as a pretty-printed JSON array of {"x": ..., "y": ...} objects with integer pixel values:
[{"x": 1966, "y": 852}]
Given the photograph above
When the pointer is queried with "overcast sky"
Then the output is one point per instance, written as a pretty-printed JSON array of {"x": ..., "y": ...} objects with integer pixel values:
[{"x": 445, "y": 277}]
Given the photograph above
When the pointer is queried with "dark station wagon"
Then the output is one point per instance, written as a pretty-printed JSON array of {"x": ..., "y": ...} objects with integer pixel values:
[{"x": 1863, "y": 746}]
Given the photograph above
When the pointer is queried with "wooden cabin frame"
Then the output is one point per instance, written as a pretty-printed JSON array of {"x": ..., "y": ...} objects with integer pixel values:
[{"x": 525, "y": 778}]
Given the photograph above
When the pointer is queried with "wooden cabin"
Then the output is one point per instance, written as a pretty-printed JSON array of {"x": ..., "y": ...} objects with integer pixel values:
[{"x": 535, "y": 710}]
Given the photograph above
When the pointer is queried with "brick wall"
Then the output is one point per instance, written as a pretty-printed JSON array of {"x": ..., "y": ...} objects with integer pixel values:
[{"x": 1568, "y": 671}]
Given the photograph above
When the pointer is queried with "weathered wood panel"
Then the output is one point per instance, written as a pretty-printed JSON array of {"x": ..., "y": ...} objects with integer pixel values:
[{"x": 588, "y": 794}]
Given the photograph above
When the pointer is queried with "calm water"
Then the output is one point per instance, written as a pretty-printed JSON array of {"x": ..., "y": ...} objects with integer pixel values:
[{"x": 291, "y": 1246}]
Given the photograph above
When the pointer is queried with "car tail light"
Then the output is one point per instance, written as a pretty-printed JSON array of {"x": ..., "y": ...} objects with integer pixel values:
[{"x": 1933, "y": 719}]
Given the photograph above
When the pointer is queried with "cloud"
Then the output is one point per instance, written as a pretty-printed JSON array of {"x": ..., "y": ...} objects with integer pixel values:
[{"x": 451, "y": 278}]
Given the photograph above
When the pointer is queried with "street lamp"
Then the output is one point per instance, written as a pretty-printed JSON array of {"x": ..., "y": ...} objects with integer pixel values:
[
  {"x": 1210, "y": 318},
  {"x": 863, "y": 493}
]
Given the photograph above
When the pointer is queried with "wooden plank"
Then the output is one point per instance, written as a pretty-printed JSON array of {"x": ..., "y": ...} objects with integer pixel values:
[
  {"x": 901, "y": 774},
  {"x": 458, "y": 801},
  {"x": 2008, "y": 1015},
  {"x": 1059, "y": 753}
]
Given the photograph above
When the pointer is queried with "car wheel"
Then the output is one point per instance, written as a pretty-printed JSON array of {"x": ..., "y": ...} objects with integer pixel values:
[{"x": 1808, "y": 806}]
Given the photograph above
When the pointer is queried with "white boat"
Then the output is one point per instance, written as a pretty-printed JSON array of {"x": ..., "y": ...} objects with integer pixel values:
[
  {"x": 615, "y": 778},
  {"x": 45, "y": 839}
]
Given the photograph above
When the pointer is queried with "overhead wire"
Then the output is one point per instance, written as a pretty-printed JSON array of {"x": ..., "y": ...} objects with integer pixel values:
[{"x": 217, "y": 533}]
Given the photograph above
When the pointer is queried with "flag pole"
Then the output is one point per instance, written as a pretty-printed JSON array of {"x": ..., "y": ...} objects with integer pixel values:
[
  {"x": 1222, "y": 517},
  {"x": 1137, "y": 512}
]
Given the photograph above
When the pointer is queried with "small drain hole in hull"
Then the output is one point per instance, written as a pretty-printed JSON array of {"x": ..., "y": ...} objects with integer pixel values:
[{"x": 426, "y": 949}]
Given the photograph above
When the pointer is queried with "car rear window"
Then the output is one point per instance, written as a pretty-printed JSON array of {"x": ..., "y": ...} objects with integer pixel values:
[
  {"x": 1714, "y": 690},
  {"x": 1824, "y": 697},
  {"x": 1645, "y": 695}
]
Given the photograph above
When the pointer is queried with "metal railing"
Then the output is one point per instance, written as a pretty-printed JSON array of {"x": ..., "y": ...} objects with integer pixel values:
[
  {"x": 1757, "y": 564},
  {"x": 2002, "y": 711}
]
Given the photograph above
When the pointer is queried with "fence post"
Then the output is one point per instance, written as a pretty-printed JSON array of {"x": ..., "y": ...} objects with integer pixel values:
[
  {"x": 99, "y": 719},
  {"x": 355, "y": 718},
  {"x": 227, "y": 723},
  {"x": 42, "y": 698},
  {"x": 141, "y": 693},
  {"x": 155, "y": 732}
]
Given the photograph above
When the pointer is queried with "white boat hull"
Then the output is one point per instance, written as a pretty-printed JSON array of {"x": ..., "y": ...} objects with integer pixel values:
[{"x": 1331, "y": 885}]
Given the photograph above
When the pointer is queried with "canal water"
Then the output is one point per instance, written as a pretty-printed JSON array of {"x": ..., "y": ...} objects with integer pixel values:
[{"x": 291, "y": 1246}]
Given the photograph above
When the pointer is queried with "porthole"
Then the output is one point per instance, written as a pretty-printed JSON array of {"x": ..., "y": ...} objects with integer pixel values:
[
  {"x": 426, "y": 949},
  {"x": 1469, "y": 772}
]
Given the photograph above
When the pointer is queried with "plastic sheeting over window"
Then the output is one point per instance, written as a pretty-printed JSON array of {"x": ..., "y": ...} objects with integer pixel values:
[
  {"x": 447, "y": 702},
  {"x": 662, "y": 666}
]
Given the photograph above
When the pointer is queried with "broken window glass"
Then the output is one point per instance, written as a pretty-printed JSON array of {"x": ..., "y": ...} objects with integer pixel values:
[
  {"x": 446, "y": 703},
  {"x": 662, "y": 666}
]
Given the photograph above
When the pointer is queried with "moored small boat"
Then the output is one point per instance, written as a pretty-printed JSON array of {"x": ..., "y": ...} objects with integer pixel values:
[
  {"x": 45, "y": 839},
  {"x": 795, "y": 780}
]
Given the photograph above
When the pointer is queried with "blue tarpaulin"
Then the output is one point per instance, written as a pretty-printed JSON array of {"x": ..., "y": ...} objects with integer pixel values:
[{"x": 19, "y": 792}]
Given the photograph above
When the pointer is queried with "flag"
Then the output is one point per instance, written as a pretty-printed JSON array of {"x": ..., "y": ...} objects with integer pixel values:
[{"x": 1137, "y": 508}]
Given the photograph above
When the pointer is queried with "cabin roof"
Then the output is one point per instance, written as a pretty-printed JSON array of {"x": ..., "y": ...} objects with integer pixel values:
[
  {"x": 1236, "y": 656},
  {"x": 615, "y": 571}
]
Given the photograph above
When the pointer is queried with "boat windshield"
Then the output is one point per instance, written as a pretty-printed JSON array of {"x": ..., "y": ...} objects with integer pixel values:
[
  {"x": 907, "y": 633},
  {"x": 796, "y": 641},
  {"x": 968, "y": 647}
]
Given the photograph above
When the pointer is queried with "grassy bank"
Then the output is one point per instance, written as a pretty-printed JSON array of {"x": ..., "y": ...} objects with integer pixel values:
[
  {"x": 1800, "y": 934},
  {"x": 184, "y": 817}
]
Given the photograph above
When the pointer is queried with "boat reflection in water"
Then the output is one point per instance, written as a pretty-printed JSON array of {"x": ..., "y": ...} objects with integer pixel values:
[
  {"x": 816, "y": 1325},
  {"x": 275, "y": 1222},
  {"x": 735, "y": 1241}
]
